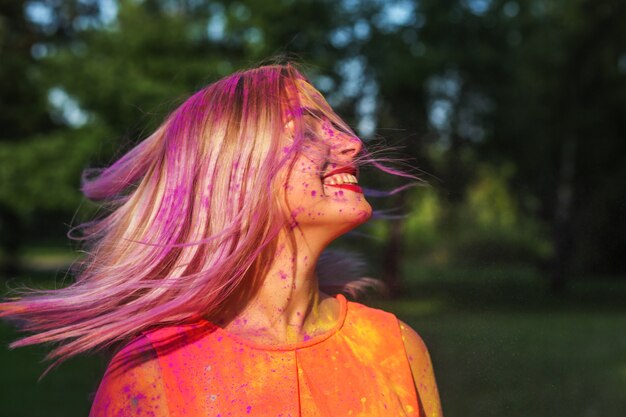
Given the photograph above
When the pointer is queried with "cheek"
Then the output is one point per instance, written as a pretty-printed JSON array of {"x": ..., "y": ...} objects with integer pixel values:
[
  {"x": 346, "y": 203},
  {"x": 303, "y": 188},
  {"x": 306, "y": 188},
  {"x": 311, "y": 202}
]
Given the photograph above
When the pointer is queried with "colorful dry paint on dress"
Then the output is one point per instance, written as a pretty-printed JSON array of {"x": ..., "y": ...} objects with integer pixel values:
[{"x": 358, "y": 368}]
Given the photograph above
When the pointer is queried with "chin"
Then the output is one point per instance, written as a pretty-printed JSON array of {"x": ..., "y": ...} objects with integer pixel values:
[
  {"x": 355, "y": 219},
  {"x": 358, "y": 214},
  {"x": 363, "y": 216}
]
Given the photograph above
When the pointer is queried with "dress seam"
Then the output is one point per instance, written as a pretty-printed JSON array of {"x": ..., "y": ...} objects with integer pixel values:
[{"x": 295, "y": 360}]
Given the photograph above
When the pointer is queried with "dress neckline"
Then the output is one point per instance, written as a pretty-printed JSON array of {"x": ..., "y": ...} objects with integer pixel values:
[{"x": 343, "y": 309}]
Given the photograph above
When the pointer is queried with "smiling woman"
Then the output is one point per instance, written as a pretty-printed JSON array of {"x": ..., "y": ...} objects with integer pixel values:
[{"x": 206, "y": 272}]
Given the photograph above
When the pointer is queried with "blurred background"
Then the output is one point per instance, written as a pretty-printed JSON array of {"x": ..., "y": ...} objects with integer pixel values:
[{"x": 511, "y": 259}]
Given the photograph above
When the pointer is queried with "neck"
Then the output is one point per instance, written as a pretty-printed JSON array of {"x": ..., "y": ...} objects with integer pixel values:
[{"x": 288, "y": 306}]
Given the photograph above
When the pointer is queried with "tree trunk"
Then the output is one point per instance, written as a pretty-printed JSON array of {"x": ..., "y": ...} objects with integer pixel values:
[
  {"x": 393, "y": 257},
  {"x": 10, "y": 242},
  {"x": 562, "y": 236}
]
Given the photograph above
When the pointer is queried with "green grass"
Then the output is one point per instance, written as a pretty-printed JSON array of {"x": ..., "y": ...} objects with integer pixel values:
[
  {"x": 65, "y": 391},
  {"x": 500, "y": 346},
  {"x": 526, "y": 363}
]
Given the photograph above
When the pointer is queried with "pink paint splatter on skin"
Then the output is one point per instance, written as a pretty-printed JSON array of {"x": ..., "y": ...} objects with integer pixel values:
[
  {"x": 313, "y": 193},
  {"x": 283, "y": 275}
]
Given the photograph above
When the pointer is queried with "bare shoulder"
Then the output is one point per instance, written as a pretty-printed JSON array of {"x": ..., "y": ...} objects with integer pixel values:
[
  {"x": 132, "y": 384},
  {"x": 413, "y": 342},
  {"x": 422, "y": 370}
]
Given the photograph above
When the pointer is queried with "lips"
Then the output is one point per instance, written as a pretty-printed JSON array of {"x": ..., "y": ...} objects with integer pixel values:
[
  {"x": 351, "y": 187},
  {"x": 348, "y": 169}
]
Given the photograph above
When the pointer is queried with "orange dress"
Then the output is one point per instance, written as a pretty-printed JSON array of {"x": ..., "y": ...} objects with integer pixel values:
[{"x": 358, "y": 368}]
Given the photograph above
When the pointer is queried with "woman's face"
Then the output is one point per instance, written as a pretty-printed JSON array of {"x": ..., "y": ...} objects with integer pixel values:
[{"x": 322, "y": 191}]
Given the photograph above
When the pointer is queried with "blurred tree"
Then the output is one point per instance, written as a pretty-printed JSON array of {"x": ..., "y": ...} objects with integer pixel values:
[
  {"x": 100, "y": 74},
  {"x": 557, "y": 119},
  {"x": 535, "y": 84},
  {"x": 23, "y": 114}
]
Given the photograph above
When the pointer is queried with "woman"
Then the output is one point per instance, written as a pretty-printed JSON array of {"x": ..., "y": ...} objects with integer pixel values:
[{"x": 204, "y": 269}]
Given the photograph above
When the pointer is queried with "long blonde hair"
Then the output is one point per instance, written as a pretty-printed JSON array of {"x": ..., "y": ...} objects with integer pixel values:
[{"x": 192, "y": 218}]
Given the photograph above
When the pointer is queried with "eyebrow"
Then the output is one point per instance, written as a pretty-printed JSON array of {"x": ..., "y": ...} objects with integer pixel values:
[{"x": 310, "y": 111}]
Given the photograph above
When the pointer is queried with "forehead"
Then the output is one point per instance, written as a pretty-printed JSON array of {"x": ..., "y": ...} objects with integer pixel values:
[
  {"x": 315, "y": 111},
  {"x": 304, "y": 99},
  {"x": 308, "y": 105},
  {"x": 306, "y": 95}
]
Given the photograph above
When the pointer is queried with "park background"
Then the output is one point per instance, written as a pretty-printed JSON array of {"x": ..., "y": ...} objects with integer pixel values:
[{"x": 509, "y": 258}]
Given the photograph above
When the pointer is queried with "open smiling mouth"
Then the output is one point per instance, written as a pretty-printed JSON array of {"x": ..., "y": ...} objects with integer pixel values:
[{"x": 343, "y": 177}]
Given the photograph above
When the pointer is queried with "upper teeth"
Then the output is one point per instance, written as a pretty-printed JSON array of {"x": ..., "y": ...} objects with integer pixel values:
[{"x": 341, "y": 179}]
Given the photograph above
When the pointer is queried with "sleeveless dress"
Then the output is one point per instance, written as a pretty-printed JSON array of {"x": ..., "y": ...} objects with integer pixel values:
[{"x": 358, "y": 368}]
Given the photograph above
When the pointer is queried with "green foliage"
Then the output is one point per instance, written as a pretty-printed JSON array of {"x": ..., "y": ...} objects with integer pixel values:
[
  {"x": 123, "y": 76},
  {"x": 423, "y": 220},
  {"x": 495, "y": 229},
  {"x": 491, "y": 227},
  {"x": 536, "y": 84},
  {"x": 43, "y": 173}
]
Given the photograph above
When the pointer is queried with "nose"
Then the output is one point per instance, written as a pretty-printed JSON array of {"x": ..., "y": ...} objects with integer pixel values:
[{"x": 350, "y": 146}]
